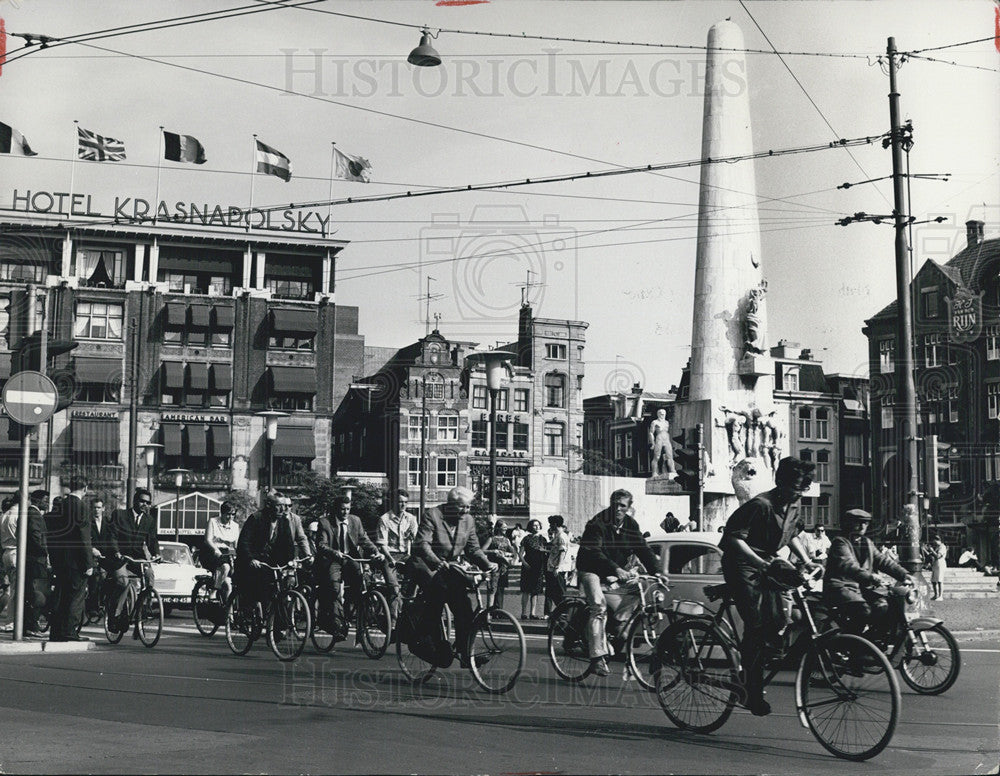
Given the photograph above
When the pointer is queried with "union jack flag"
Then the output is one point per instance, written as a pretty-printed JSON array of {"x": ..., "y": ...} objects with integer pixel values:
[{"x": 99, "y": 149}]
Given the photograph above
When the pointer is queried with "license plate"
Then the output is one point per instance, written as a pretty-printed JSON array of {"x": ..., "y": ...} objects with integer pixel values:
[{"x": 167, "y": 584}]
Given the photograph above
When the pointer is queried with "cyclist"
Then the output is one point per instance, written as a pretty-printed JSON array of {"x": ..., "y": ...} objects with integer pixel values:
[
  {"x": 271, "y": 536},
  {"x": 134, "y": 534},
  {"x": 750, "y": 542},
  {"x": 446, "y": 534},
  {"x": 609, "y": 540},
  {"x": 850, "y": 576},
  {"x": 221, "y": 536},
  {"x": 394, "y": 537}
]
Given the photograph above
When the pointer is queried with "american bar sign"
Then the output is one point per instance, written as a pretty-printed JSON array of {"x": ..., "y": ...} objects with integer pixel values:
[{"x": 965, "y": 315}]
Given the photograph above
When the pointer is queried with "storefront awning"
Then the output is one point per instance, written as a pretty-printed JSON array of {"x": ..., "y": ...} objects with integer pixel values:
[
  {"x": 294, "y": 321},
  {"x": 199, "y": 315},
  {"x": 199, "y": 376},
  {"x": 225, "y": 316},
  {"x": 97, "y": 370},
  {"x": 197, "y": 439},
  {"x": 176, "y": 314},
  {"x": 295, "y": 442},
  {"x": 222, "y": 378},
  {"x": 171, "y": 433},
  {"x": 293, "y": 379},
  {"x": 173, "y": 374},
  {"x": 222, "y": 442},
  {"x": 95, "y": 436}
]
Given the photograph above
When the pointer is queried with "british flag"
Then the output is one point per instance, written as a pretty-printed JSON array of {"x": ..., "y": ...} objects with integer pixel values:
[{"x": 99, "y": 149}]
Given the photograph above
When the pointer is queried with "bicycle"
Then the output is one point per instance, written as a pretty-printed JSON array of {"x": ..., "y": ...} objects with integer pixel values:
[
  {"x": 846, "y": 693},
  {"x": 208, "y": 608},
  {"x": 569, "y": 650},
  {"x": 285, "y": 618},
  {"x": 372, "y": 620},
  {"x": 496, "y": 650},
  {"x": 143, "y": 609}
]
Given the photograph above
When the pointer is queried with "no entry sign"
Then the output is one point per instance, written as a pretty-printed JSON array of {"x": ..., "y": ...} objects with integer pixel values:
[{"x": 29, "y": 398}]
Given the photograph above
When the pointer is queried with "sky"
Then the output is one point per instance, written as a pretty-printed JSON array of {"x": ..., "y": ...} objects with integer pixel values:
[{"x": 616, "y": 252}]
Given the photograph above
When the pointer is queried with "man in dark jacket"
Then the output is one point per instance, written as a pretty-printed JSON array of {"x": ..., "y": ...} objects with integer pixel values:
[
  {"x": 134, "y": 532},
  {"x": 609, "y": 540},
  {"x": 850, "y": 576},
  {"x": 36, "y": 572},
  {"x": 272, "y": 536},
  {"x": 72, "y": 558}
]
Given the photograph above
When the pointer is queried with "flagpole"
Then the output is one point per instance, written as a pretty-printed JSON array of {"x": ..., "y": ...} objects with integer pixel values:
[
  {"x": 333, "y": 169},
  {"x": 253, "y": 167},
  {"x": 159, "y": 164},
  {"x": 72, "y": 169}
]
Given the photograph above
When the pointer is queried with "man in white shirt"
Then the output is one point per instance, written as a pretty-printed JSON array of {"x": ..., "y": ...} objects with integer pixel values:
[
  {"x": 8, "y": 539},
  {"x": 817, "y": 544},
  {"x": 396, "y": 529}
]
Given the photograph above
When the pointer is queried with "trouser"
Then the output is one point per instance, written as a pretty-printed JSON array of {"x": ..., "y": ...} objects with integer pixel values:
[
  {"x": 497, "y": 580},
  {"x": 448, "y": 586},
  {"x": 872, "y": 612},
  {"x": 620, "y": 599},
  {"x": 37, "y": 588},
  {"x": 254, "y": 585},
  {"x": 10, "y": 568},
  {"x": 555, "y": 590},
  {"x": 329, "y": 580},
  {"x": 121, "y": 580},
  {"x": 71, "y": 594}
]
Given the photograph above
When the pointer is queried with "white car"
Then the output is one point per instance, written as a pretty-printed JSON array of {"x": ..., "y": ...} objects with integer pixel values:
[{"x": 174, "y": 578}]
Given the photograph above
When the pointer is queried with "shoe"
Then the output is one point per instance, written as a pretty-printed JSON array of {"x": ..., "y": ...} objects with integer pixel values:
[
  {"x": 600, "y": 666},
  {"x": 57, "y": 638},
  {"x": 32, "y": 634},
  {"x": 481, "y": 660},
  {"x": 758, "y": 706},
  {"x": 77, "y": 637}
]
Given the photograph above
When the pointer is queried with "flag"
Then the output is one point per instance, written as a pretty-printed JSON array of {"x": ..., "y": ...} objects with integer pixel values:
[
  {"x": 13, "y": 142},
  {"x": 99, "y": 149},
  {"x": 272, "y": 162},
  {"x": 182, "y": 148},
  {"x": 350, "y": 168}
]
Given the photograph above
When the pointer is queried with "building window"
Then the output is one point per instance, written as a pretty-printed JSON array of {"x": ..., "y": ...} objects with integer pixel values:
[
  {"x": 413, "y": 427},
  {"x": 929, "y": 304},
  {"x": 101, "y": 268},
  {"x": 854, "y": 450},
  {"x": 886, "y": 355},
  {"x": 553, "y": 350},
  {"x": 195, "y": 282},
  {"x": 789, "y": 378},
  {"x": 222, "y": 339},
  {"x": 993, "y": 347},
  {"x": 98, "y": 320},
  {"x": 823, "y": 466},
  {"x": 555, "y": 390},
  {"x": 618, "y": 446},
  {"x": 933, "y": 350},
  {"x": 822, "y": 423},
  {"x": 303, "y": 342},
  {"x": 806, "y": 511},
  {"x": 447, "y": 471},
  {"x": 413, "y": 471},
  {"x": 954, "y": 471},
  {"x": 953, "y": 404},
  {"x": 292, "y": 402},
  {"x": 503, "y": 440},
  {"x": 628, "y": 446},
  {"x": 503, "y": 400},
  {"x": 479, "y": 397},
  {"x": 993, "y": 400},
  {"x": 823, "y": 510},
  {"x": 448, "y": 427},
  {"x": 290, "y": 288},
  {"x": 888, "y": 420},
  {"x": 434, "y": 386},
  {"x": 520, "y": 400},
  {"x": 555, "y": 435},
  {"x": 805, "y": 423},
  {"x": 520, "y": 436},
  {"x": 479, "y": 428}
]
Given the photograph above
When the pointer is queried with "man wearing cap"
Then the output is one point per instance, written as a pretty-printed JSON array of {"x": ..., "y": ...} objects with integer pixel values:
[{"x": 850, "y": 575}]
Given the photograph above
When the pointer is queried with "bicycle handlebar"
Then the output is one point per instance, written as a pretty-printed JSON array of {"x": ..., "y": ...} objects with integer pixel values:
[
  {"x": 146, "y": 561},
  {"x": 292, "y": 564}
]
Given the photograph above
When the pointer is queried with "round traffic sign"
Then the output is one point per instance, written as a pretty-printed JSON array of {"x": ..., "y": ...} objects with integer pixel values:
[{"x": 30, "y": 398}]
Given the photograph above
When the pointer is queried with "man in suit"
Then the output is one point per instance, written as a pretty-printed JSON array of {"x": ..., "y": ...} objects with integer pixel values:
[
  {"x": 447, "y": 533},
  {"x": 36, "y": 571},
  {"x": 272, "y": 536},
  {"x": 72, "y": 558},
  {"x": 106, "y": 555},
  {"x": 133, "y": 534}
]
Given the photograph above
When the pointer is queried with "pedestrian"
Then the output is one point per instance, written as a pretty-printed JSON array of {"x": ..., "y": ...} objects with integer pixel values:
[
  {"x": 534, "y": 559},
  {"x": 969, "y": 560},
  {"x": 555, "y": 585},
  {"x": 8, "y": 539},
  {"x": 938, "y": 557},
  {"x": 670, "y": 524},
  {"x": 817, "y": 544},
  {"x": 36, "y": 566},
  {"x": 517, "y": 534},
  {"x": 72, "y": 557},
  {"x": 502, "y": 553}
]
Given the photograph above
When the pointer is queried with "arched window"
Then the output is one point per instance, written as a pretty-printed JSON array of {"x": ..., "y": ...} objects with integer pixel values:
[
  {"x": 555, "y": 390},
  {"x": 435, "y": 386}
]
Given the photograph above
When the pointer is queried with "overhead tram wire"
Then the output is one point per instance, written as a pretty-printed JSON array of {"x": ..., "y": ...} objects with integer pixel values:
[
  {"x": 948, "y": 46},
  {"x": 956, "y": 64}
]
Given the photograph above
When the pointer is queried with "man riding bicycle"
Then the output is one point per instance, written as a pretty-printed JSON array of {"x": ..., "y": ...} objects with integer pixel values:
[
  {"x": 609, "y": 540},
  {"x": 750, "y": 543},
  {"x": 850, "y": 576},
  {"x": 134, "y": 534}
]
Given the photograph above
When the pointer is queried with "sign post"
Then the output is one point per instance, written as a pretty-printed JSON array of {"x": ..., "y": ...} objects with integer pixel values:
[{"x": 30, "y": 399}]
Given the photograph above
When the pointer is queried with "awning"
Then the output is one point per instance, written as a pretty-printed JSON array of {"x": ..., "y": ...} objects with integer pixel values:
[
  {"x": 176, "y": 314},
  {"x": 171, "y": 438},
  {"x": 294, "y": 321},
  {"x": 199, "y": 376},
  {"x": 95, "y": 436},
  {"x": 97, "y": 370},
  {"x": 173, "y": 374},
  {"x": 4, "y": 366},
  {"x": 293, "y": 379},
  {"x": 222, "y": 378},
  {"x": 6, "y": 443},
  {"x": 197, "y": 440},
  {"x": 225, "y": 316},
  {"x": 199, "y": 315},
  {"x": 294, "y": 442},
  {"x": 222, "y": 442}
]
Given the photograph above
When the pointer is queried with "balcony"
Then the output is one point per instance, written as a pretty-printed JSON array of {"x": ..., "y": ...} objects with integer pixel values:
[
  {"x": 95, "y": 474},
  {"x": 216, "y": 479},
  {"x": 284, "y": 480},
  {"x": 11, "y": 472}
]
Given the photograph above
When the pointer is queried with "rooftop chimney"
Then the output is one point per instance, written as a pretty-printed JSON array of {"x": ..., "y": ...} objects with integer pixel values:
[{"x": 974, "y": 231}]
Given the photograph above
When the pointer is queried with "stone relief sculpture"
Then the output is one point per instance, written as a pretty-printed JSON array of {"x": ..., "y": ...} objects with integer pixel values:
[
  {"x": 752, "y": 435},
  {"x": 752, "y": 340}
]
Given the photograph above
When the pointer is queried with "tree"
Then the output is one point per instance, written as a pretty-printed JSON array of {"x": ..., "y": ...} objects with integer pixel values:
[
  {"x": 318, "y": 494},
  {"x": 596, "y": 463},
  {"x": 244, "y": 504}
]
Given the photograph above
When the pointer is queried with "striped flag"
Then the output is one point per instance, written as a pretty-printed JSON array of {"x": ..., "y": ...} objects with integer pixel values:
[
  {"x": 13, "y": 142},
  {"x": 99, "y": 149},
  {"x": 273, "y": 162},
  {"x": 182, "y": 148},
  {"x": 351, "y": 168}
]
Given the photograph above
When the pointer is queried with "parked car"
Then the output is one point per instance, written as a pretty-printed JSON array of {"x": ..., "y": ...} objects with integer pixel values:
[
  {"x": 691, "y": 560},
  {"x": 174, "y": 577}
]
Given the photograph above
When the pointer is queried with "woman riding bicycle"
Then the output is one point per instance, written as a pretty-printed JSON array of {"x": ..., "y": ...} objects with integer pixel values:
[{"x": 221, "y": 536}]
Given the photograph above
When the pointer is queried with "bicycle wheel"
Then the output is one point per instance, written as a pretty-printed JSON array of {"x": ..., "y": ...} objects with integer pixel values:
[
  {"x": 414, "y": 668},
  {"x": 122, "y": 621},
  {"x": 696, "y": 675},
  {"x": 568, "y": 649},
  {"x": 322, "y": 639},
  {"x": 640, "y": 644},
  {"x": 149, "y": 617},
  {"x": 497, "y": 650},
  {"x": 849, "y": 696},
  {"x": 288, "y": 625},
  {"x": 374, "y": 624},
  {"x": 931, "y": 660},
  {"x": 242, "y": 627},
  {"x": 202, "y": 601}
]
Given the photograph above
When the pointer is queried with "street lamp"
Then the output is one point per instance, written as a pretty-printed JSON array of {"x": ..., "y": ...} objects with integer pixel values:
[
  {"x": 497, "y": 362},
  {"x": 149, "y": 451},
  {"x": 178, "y": 483},
  {"x": 271, "y": 419},
  {"x": 424, "y": 54}
]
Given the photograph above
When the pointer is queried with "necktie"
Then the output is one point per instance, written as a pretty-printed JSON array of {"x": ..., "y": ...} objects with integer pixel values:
[{"x": 343, "y": 538}]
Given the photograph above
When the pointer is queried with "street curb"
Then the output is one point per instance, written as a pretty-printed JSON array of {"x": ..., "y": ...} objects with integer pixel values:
[
  {"x": 968, "y": 635},
  {"x": 32, "y": 647}
]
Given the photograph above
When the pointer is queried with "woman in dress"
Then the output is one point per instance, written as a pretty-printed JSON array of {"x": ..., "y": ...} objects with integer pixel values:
[
  {"x": 939, "y": 563},
  {"x": 534, "y": 550}
]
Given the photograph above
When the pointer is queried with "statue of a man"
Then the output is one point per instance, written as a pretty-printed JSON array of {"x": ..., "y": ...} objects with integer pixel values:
[
  {"x": 752, "y": 342},
  {"x": 661, "y": 450}
]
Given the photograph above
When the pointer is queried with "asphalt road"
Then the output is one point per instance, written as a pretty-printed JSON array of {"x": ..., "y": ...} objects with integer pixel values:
[{"x": 189, "y": 705}]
